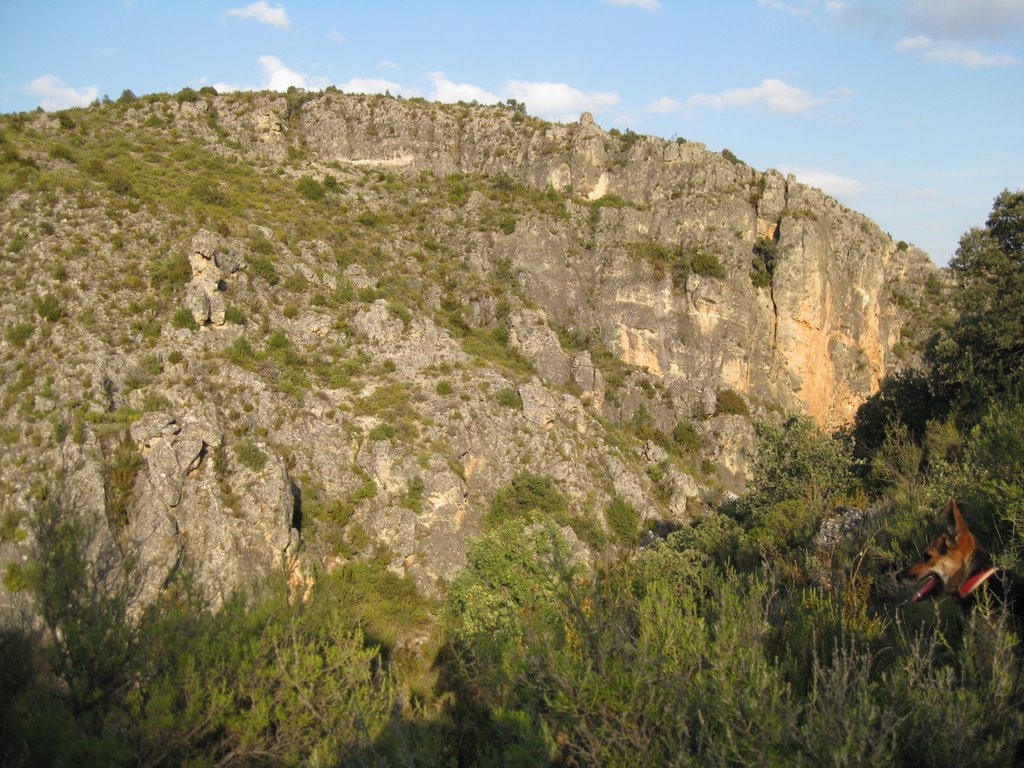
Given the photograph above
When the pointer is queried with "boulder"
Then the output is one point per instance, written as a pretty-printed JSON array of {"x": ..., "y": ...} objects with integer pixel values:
[{"x": 532, "y": 337}]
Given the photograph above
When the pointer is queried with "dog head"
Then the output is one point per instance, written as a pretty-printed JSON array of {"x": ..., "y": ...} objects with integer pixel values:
[{"x": 947, "y": 561}]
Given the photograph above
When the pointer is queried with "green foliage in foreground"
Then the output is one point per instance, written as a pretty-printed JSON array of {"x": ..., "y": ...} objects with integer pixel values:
[
  {"x": 266, "y": 679},
  {"x": 526, "y": 494},
  {"x": 727, "y": 643},
  {"x": 673, "y": 659}
]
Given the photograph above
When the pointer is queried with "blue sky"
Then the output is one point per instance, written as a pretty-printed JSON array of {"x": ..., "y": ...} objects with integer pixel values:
[{"x": 911, "y": 111}]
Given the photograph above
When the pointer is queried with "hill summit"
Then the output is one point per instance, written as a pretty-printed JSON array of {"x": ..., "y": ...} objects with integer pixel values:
[{"x": 260, "y": 331}]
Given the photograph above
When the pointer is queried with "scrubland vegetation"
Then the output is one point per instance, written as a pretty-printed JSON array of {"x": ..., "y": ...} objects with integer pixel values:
[{"x": 746, "y": 638}]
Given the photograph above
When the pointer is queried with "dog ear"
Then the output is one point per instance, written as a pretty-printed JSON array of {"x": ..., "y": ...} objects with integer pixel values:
[{"x": 955, "y": 521}]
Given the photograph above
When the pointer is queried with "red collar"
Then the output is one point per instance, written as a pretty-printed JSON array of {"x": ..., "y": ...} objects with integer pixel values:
[{"x": 974, "y": 582}]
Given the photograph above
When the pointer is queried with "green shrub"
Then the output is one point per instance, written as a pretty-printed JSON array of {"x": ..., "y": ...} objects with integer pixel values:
[
  {"x": 383, "y": 431},
  {"x": 234, "y": 315},
  {"x": 413, "y": 499},
  {"x": 241, "y": 352},
  {"x": 63, "y": 152},
  {"x": 249, "y": 455},
  {"x": 262, "y": 245},
  {"x": 209, "y": 192},
  {"x": 338, "y": 512},
  {"x": 458, "y": 189},
  {"x": 763, "y": 264},
  {"x": 527, "y": 494},
  {"x": 624, "y": 520},
  {"x": 120, "y": 468},
  {"x": 19, "y": 333},
  {"x": 310, "y": 188},
  {"x": 187, "y": 95},
  {"x": 171, "y": 272},
  {"x": 183, "y": 318},
  {"x": 510, "y": 571},
  {"x": 296, "y": 283},
  {"x": 262, "y": 266},
  {"x": 686, "y": 437},
  {"x": 401, "y": 312},
  {"x": 17, "y": 244},
  {"x": 120, "y": 184},
  {"x": 679, "y": 261},
  {"x": 49, "y": 308},
  {"x": 729, "y": 155},
  {"x": 10, "y": 526},
  {"x": 14, "y": 578},
  {"x": 491, "y": 344},
  {"x": 730, "y": 403},
  {"x": 509, "y": 397},
  {"x": 707, "y": 265},
  {"x": 798, "y": 474}
]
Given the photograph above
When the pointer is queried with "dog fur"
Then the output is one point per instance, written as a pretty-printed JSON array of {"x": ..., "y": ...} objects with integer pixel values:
[{"x": 956, "y": 564}]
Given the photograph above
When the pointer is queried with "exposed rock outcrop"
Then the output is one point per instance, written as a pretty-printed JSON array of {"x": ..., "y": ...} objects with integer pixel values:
[
  {"x": 427, "y": 301},
  {"x": 213, "y": 260},
  {"x": 198, "y": 504}
]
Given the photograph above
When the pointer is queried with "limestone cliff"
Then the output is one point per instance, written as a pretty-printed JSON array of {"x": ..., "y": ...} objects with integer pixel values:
[
  {"x": 819, "y": 338},
  {"x": 257, "y": 332}
]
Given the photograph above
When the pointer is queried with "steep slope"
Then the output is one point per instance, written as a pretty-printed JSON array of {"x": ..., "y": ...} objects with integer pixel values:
[{"x": 258, "y": 331}]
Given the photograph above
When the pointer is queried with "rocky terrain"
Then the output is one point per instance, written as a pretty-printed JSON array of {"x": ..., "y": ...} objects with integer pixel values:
[{"x": 265, "y": 331}]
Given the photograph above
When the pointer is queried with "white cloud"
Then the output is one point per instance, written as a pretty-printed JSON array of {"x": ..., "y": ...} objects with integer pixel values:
[
  {"x": 55, "y": 94},
  {"x": 448, "y": 91},
  {"x": 959, "y": 20},
  {"x": 229, "y": 88},
  {"x": 558, "y": 101},
  {"x": 372, "y": 85},
  {"x": 664, "y": 105},
  {"x": 918, "y": 43},
  {"x": 790, "y": 8},
  {"x": 948, "y": 20},
  {"x": 386, "y": 64},
  {"x": 555, "y": 101},
  {"x": 335, "y": 36},
  {"x": 827, "y": 181},
  {"x": 968, "y": 58},
  {"x": 647, "y": 5},
  {"x": 279, "y": 77},
  {"x": 953, "y": 53},
  {"x": 262, "y": 11},
  {"x": 773, "y": 95}
]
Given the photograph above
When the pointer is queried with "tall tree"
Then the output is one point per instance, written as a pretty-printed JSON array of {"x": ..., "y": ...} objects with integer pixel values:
[{"x": 983, "y": 351}]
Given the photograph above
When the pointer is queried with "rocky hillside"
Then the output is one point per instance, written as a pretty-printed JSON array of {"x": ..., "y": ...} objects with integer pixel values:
[{"x": 254, "y": 331}]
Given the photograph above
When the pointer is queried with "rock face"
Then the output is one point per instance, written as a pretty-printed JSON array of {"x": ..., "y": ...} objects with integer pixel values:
[
  {"x": 400, "y": 307},
  {"x": 818, "y": 339},
  {"x": 211, "y": 265},
  {"x": 198, "y": 506}
]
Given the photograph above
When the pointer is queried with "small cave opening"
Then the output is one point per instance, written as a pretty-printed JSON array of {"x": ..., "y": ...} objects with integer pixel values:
[{"x": 296, "y": 506}]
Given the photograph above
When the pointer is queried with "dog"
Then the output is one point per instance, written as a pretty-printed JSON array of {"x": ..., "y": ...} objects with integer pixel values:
[{"x": 957, "y": 565}]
